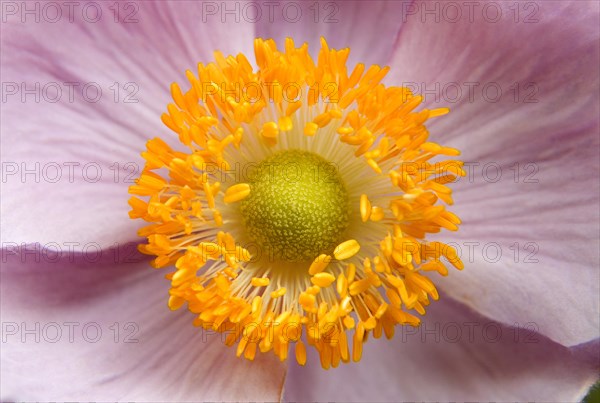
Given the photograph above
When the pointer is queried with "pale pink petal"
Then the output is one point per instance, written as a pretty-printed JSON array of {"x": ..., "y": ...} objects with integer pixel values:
[
  {"x": 542, "y": 133},
  {"x": 456, "y": 355},
  {"x": 369, "y": 29},
  {"x": 145, "y": 352},
  {"x": 83, "y": 152}
]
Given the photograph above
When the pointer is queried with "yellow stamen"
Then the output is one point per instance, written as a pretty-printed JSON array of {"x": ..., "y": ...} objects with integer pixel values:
[
  {"x": 300, "y": 353},
  {"x": 311, "y": 129},
  {"x": 260, "y": 282},
  {"x": 319, "y": 264},
  {"x": 236, "y": 193},
  {"x": 270, "y": 130},
  {"x": 322, "y": 279},
  {"x": 346, "y": 250},
  {"x": 278, "y": 293},
  {"x": 365, "y": 208}
]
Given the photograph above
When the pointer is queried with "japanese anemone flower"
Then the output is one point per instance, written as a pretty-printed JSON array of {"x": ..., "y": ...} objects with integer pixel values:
[{"x": 84, "y": 318}]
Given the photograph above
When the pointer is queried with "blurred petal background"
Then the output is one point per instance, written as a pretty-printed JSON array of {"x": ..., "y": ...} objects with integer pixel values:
[{"x": 519, "y": 323}]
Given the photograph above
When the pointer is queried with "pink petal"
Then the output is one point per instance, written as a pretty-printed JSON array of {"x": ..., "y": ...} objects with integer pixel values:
[
  {"x": 456, "y": 355},
  {"x": 544, "y": 139},
  {"x": 145, "y": 352},
  {"x": 369, "y": 29},
  {"x": 89, "y": 204}
]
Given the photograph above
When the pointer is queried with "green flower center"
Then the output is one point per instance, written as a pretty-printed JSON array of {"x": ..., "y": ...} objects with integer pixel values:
[{"x": 298, "y": 206}]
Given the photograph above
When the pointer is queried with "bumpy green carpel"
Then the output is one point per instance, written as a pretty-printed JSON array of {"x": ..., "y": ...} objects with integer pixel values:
[{"x": 298, "y": 206}]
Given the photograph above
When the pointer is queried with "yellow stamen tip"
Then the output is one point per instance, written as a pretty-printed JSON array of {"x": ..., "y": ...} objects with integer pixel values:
[
  {"x": 322, "y": 279},
  {"x": 365, "y": 208},
  {"x": 311, "y": 129},
  {"x": 346, "y": 250},
  {"x": 236, "y": 193},
  {"x": 260, "y": 282},
  {"x": 300, "y": 353},
  {"x": 319, "y": 264},
  {"x": 270, "y": 130}
]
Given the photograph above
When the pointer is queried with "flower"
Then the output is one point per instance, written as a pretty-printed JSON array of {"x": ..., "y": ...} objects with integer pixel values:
[
  {"x": 174, "y": 361},
  {"x": 342, "y": 194}
]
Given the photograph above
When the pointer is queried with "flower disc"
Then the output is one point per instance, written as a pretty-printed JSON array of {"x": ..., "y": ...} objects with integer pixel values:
[
  {"x": 329, "y": 233},
  {"x": 298, "y": 206}
]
